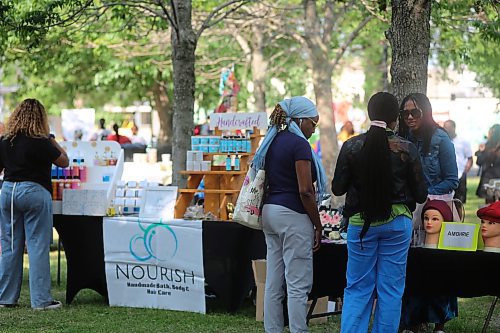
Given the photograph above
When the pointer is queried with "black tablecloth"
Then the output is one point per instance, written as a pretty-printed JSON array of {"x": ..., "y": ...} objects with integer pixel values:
[
  {"x": 228, "y": 249},
  {"x": 429, "y": 272}
]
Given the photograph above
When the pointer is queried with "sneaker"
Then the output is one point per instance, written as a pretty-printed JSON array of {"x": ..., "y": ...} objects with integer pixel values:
[
  {"x": 52, "y": 306},
  {"x": 8, "y": 305}
]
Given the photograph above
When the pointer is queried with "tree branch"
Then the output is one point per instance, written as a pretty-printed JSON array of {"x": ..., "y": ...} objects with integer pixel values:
[
  {"x": 349, "y": 40},
  {"x": 207, "y": 23},
  {"x": 167, "y": 14},
  {"x": 329, "y": 23}
]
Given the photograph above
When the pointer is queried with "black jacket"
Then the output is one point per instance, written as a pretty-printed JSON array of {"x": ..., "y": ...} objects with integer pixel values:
[{"x": 408, "y": 179}]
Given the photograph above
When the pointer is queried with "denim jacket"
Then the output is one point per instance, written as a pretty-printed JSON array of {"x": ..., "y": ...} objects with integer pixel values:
[
  {"x": 408, "y": 184},
  {"x": 439, "y": 165}
]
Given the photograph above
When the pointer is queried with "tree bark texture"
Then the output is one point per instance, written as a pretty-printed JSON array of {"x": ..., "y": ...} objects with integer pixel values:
[
  {"x": 259, "y": 69},
  {"x": 163, "y": 105},
  {"x": 409, "y": 35},
  {"x": 183, "y": 59},
  {"x": 322, "y": 70}
]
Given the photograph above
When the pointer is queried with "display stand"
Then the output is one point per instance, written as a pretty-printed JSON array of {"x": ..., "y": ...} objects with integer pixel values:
[
  {"x": 221, "y": 186},
  {"x": 95, "y": 194}
]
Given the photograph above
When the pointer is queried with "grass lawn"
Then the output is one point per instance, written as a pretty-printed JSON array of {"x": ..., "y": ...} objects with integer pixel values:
[{"x": 90, "y": 313}]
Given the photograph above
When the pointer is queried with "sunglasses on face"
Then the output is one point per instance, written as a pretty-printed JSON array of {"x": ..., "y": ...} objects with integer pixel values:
[
  {"x": 415, "y": 113},
  {"x": 315, "y": 123}
]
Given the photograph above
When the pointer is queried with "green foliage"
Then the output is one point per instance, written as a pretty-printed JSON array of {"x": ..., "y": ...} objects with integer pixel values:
[{"x": 466, "y": 35}]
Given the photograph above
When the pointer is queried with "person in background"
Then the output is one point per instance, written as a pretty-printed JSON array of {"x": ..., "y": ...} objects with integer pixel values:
[
  {"x": 121, "y": 139},
  {"x": 136, "y": 138},
  {"x": 27, "y": 153},
  {"x": 488, "y": 158},
  {"x": 382, "y": 176},
  {"x": 102, "y": 133},
  {"x": 437, "y": 156},
  {"x": 463, "y": 153},
  {"x": 290, "y": 217},
  {"x": 346, "y": 132}
]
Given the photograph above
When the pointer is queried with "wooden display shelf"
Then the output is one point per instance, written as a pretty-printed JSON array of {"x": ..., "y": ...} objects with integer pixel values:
[
  {"x": 232, "y": 153},
  {"x": 193, "y": 190},
  {"x": 216, "y": 172},
  {"x": 221, "y": 187}
]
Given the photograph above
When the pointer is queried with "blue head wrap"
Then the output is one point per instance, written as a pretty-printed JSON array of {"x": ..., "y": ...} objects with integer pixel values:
[{"x": 295, "y": 107}]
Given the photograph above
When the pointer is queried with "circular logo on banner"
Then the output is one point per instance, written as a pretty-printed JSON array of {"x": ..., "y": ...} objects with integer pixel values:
[{"x": 157, "y": 241}]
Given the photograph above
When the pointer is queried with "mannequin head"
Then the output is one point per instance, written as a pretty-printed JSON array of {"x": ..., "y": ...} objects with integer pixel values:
[
  {"x": 490, "y": 225},
  {"x": 434, "y": 213},
  {"x": 433, "y": 221}
]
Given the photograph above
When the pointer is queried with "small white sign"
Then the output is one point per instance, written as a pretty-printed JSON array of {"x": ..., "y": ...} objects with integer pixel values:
[
  {"x": 238, "y": 120},
  {"x": 459, "y": 236},
  {"x": 158, "y": 202}
]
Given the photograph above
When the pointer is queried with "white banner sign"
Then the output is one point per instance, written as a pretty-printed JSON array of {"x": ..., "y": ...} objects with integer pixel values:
[
  {"x": 152, "y": 263},
  {"x": 240, "y": 120}
]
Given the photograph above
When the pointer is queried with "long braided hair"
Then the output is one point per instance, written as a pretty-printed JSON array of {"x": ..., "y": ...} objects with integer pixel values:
[
  {"x": 278, "y": 118},
  {"x": 28, "y": 118}
]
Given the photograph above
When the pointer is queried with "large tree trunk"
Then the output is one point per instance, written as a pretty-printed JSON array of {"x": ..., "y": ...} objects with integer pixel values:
[
  {"x": 163, "y": 105},
  {"x": 259, "y": 69},
  {"x": 322, "y": 82},
  {"x": 409, "y": 36},
  {"x": 322, "y": 69},
  {"x": 183, "y": 59}
]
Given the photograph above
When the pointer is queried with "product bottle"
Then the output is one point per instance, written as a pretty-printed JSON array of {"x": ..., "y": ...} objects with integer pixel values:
[
  {"x": 237, "y": 163},
  {"x": 82, "y": 171},
  {"x": 75, "y": 169},
  {"x": 97, "y": 160},
  {"x": 228, "y": 162},
  {"x": 112, "y": 159}
]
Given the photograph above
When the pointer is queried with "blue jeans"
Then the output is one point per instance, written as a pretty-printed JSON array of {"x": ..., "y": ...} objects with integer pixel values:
[
  {"x": 32, "y": 224},
  {"x": 377, "y": 269}
]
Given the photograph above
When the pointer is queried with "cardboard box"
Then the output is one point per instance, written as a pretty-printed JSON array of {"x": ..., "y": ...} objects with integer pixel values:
[{"x": 259, "y": 273}]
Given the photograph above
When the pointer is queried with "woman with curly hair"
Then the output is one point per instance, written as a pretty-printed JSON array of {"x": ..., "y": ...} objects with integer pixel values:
[
  {"x": 27, "y": 152},
  {"x": 290, "y": 215}
]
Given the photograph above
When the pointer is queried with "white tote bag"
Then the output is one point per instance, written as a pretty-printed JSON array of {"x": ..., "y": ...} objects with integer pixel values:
[{"x": 248, "y": 206}]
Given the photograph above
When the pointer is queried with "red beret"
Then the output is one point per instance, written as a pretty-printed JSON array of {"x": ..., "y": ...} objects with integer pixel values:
[
  {"x": 441, "y": 206},
  {"x": 490, "y": 213}
]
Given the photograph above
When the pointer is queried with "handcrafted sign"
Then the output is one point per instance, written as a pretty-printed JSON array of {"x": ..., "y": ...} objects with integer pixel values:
[
  {"x": 152, "y": 263},
  {"x": 239, "y": 120},
  {"x": 458, "y": 236},
  {"x": 158, "y": 202}
]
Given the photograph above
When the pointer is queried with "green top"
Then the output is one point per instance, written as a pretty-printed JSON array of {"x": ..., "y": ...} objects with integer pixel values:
[{"x": 397, "y": 210}]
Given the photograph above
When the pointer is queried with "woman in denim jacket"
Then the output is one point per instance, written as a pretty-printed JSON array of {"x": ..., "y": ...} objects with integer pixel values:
[{"x": 437, "y": 155}]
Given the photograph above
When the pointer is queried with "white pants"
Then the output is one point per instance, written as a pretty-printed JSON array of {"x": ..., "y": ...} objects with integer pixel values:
[{"x": 289, "y": 239}]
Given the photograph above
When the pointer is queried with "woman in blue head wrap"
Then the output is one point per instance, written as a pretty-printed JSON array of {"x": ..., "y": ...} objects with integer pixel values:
[{"x": 290, "y": 216}]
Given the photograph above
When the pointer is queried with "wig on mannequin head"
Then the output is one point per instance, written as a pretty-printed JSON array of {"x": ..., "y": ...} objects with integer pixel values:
[
  {"x": 428, "y": 124},
  {"x": 375, "y": 157}
]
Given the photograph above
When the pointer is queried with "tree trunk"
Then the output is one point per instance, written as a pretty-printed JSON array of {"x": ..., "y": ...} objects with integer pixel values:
[
  {"x": 322, "y": 82},
  {"x": 409, "y": 36},
  {"x": 183, "y": 59},
  {"x": 322, "y": 69},
  {"x": 163, "y": 105},
  {"x": 259, "y": 69}
]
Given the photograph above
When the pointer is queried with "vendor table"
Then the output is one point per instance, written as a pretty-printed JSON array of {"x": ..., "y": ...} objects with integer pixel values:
[
  {"x": 429, "y": 272},
  {"x": 228, "y": 249},
  {"x": 461, "y": 274}
]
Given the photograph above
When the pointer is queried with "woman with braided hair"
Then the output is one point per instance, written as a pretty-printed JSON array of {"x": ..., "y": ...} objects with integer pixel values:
[
  {"x": 290, "y": 215},
  {"x": 27, "y": 152},
  {"x": 382, "y": 176}
]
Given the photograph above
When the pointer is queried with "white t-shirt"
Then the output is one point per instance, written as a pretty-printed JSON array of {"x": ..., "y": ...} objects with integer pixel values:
[{"x": 463, "y": 152}]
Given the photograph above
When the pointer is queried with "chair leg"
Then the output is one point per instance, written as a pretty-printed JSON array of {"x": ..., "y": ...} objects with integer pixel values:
[{"x": 490, "y": 313}]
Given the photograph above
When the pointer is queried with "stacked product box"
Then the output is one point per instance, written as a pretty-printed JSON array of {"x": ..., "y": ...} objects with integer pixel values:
[
  {"x": 128, "y": 196},
  {"x": 195, "y": 162},
  {"x": 224, "y": 144}
]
